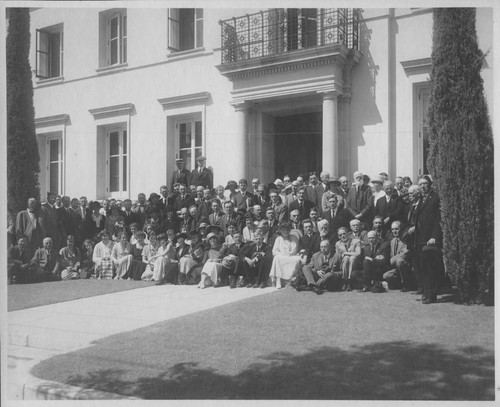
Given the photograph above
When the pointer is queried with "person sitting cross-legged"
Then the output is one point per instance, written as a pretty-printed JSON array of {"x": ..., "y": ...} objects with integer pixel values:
[
  {"x": 18, "y": 262},
  {"x": 322, "y": 272},
  {"x": 376, "y": 260},
  {"x": 253, "y": 261}
]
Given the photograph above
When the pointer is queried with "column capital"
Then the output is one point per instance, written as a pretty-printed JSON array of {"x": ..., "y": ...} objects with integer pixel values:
[
  {"x": 329, "y": 95},
  {"x": 240, "y": 106}
]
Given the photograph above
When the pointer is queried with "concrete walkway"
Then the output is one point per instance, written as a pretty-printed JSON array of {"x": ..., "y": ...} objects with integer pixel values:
[{"x": 39, "y": 333}]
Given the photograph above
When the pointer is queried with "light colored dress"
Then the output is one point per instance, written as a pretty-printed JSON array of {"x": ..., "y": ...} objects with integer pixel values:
[
  {"x": 248, "y": 234},
  {"x": 68, "y": 260},
  {"x": 164, "y": 257},
  {"x": 122, "y": 257},
  {"x": 212, "y": 268},
  {"x": 286, "y": 258},
  {"x": 149, "y": 256},
  {"x": 103, "y": 268}
]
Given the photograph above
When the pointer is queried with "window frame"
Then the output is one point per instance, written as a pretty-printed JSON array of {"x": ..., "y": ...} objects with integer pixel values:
[
  {"x": 121, "y": 38},
  {"x": 191, "y": 121},
  {"x": 123, "y": 172},
  {"x": 175, "y": 29},
  {"x": 59, "y": 161},
  {"x": 56, "y": 31}
]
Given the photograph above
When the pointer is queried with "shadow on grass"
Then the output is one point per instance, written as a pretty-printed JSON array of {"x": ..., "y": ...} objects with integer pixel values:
[{"x": 381, "y": 371}]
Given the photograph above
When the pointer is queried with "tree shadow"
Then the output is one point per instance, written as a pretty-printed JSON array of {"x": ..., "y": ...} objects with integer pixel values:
[{"x": 400, "y": 370}]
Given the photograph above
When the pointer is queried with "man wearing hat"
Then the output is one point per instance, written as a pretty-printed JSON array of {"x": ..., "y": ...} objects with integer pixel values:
[
  {"x": 180, "y": 175},
  {"x": 358, "y": 198},
  {"x": 202, "y": 175}
]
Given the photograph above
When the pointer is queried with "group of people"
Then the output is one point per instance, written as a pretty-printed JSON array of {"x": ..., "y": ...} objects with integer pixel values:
[{"x": 314, "y": 233}]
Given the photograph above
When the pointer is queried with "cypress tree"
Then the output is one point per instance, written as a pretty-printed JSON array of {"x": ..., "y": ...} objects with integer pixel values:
[
  {"x": 22, "y": 148},
  {"x": 461, "y": 154}
]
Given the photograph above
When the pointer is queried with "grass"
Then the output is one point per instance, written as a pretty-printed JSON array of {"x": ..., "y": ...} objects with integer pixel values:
[{"x": 289, "y": 345}]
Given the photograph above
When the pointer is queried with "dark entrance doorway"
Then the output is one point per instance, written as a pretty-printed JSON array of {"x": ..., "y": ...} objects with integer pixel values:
[{"x": 298, "y": 144}]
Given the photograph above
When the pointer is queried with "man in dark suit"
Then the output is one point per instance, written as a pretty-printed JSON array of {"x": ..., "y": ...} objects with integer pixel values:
[
  {"x": 271, "y": 218},
  {"x": 390, "y": 207},
  {"x": 244, "y": 199},
  {"x": 376, "y": 260},
  {"x": 29, "y": 223},
  {"x": 400, "y": 273},
  {"x": 322, "y": 271},
  {"x": 202, "y": 175},
  {"x": 66, "y": 219},
  {"x": 231, "y": 215},
  {"x": 181, "y": 175},
  {"x": 358, "y": 199},
  {"x": 429, "y": 240},
  {"x": 166, "y": 199},
  {"x": 49, "y": 216},
  {"x": 302, "y": 204},
  {"x": 280, "y": 209},
  {"x": 336, "y": 217},
  {"x": 216, "y": 217},
  {"x": 307, "y": 240},
  {"x": 184, "y": 200},
  {"x": 141, "y": 209},
  {"x": 18, "y": 262},
  {"x": 129, "y": 216},
  {"x": 254, "y": 264}
]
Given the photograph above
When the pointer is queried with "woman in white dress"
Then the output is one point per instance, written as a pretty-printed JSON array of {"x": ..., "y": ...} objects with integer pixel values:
[
  {"x": 286, "y": 255},
  {"x": 249, "y": 229},
  {"x": 149, "y": 256},
  {"x": 213, "y": 266},
  {"x": 122, "y": 255},
  {"x": 104, "y": 266},
  {"x": 164, "y": 256}
]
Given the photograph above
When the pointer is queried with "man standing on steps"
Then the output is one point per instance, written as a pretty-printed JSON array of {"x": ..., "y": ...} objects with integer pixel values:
[{"x": 202, "y": 176}]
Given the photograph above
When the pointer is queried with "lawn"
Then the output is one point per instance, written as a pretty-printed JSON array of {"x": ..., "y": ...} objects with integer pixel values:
[{"x": 290, "y": 345}]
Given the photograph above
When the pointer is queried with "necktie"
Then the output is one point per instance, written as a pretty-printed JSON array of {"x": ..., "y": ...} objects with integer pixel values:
[{"x": 396, "y": 246}]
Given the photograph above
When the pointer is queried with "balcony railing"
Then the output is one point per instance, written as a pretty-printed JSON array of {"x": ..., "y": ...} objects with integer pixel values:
[{"x": 278, "y": 31}]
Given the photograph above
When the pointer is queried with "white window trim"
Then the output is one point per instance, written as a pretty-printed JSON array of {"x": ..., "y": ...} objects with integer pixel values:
[
  {"x": 191, "y": 120},
  {"x": 121, "y": 128},
  {"x": 56, "y": 29},
  {"x": 60, "y": 161},
  {"x": 174, "y": 49},
  {"x": 120, "y": 15}
]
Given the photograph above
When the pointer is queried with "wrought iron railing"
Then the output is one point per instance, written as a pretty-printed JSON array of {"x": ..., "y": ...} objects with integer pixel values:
[{"x": 277, "y": 31}]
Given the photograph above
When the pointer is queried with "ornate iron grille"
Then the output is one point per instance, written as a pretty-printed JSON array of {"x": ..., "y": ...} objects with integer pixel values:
[{"x": 277, "y": 31}]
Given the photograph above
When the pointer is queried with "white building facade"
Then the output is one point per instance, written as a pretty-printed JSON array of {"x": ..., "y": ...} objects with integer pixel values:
[{"x": 121, "y": 93}]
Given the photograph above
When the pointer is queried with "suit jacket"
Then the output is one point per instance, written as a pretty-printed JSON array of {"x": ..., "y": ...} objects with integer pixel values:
[
  {"x": 319, "y": 191},
  {"x": 428, "y": 220},
  {"x": 185, "y": 202},
  {"x": 251, "y": 248},
  {"x": 91, "y": 230},
  {"x": 49, "y": 216},
  {"x": 205, "y": 179},
  {"x": 41, "y": 259},
  {"x": 236, "y": 218},
  {"x": 281, "y": 211},
  {"x": 380, "y": 249},
  {"x": 342, "y": 219},
  {"x": 358, "y": 203},
  {"x": 241, "y": 201},
  {"x": 317, "y": 262},
  {"x": 180, "y": 176},
  {"x": 262, "y": 200},
  {"x": 14, "y": 254},
  {"x": 392, "y": 209},
  {"x": 24, "y": 226},
  {"x": 67, "y": 225},
  {"x": 303, "y": 210},
  {"x": 306, "y": 244},
  {"x": 129, "y": 219},
  {"x": 219, "y": 222},
  {"x": 398, "y": 248}
]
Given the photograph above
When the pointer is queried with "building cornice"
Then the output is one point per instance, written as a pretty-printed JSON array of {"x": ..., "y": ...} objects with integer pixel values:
[
  {"x": 110, "y": 111},
  {"x": 417, "y": 66},
  {"x": 57, "y": 120},
  {"x": 200, "y": 98},
  {"x": 290, "y": 61}
]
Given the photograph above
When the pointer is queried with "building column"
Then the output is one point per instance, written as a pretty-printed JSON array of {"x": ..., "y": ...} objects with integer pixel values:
[
  {"x": 330, "y": 134},
  {"x": 239, "y": 149}
]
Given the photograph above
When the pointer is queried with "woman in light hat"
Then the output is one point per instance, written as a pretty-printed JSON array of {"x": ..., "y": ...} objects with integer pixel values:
[{"x": 212, "y": 266}]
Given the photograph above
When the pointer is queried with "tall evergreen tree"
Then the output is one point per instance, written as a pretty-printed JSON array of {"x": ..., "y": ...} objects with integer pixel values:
[
  {"x": 22, "y": 148},
  {"x": 461, "y": 154}
]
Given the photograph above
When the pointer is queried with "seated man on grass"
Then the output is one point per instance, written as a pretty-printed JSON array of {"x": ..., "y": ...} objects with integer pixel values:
[
  {"x": 376, "y": 260},
  {"x": 323, "y": 271},
  {"x": 400, "y": 273},
  {"x": 18, "y": 262},
  {"x": 45, "y": 264}
]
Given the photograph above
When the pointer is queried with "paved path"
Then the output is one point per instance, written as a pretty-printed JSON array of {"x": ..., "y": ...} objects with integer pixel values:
[{"x": 39, "y": 333}]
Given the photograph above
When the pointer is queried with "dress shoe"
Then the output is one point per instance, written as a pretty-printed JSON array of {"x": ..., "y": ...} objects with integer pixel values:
[
  {"x": 318, "y": 290},
  {"x": 263, "y": 285},
  {"x": 365, "y": 289},
  {"x": 348, "y": 288},
  {"x": 299, "y": 288},
  {"x": 256, "y": 285},
  {"x": 429, "y": 301},
  {"x": 250, "y": 285}
]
